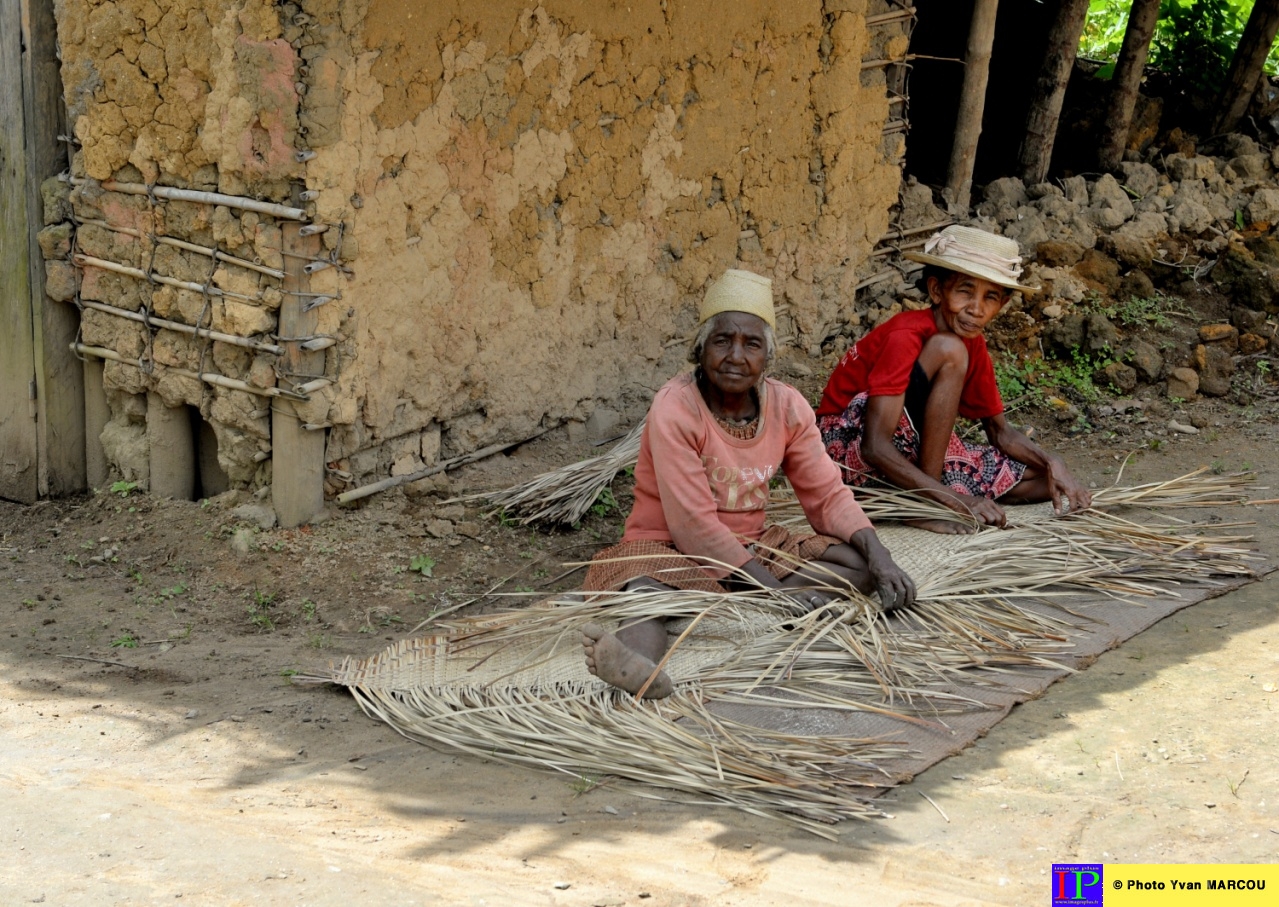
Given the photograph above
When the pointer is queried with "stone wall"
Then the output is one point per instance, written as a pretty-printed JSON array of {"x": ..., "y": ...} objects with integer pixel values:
[{"x": 527, "y": 200}]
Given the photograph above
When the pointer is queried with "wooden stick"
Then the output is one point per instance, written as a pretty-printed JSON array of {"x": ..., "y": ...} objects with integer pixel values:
[
  {"x": 88, "y": 261},
  {"x": 926, "y": 228},
  {"x": 101, "y": 661},
  {"x": 935, "y": 806},
  {"x": 207, "y": 377},
  {"x": 367, "y": 490},
  {"x": 193, "y": 195},
  {"x": 141, "y": 318},
  {"x": 886, "y": 18},
  {"x": 875, "y": 278},
  {"x": 188, "y": 246}
]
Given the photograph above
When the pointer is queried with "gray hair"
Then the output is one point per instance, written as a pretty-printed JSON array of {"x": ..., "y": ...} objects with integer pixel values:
[{"x": 709, "y": 326}]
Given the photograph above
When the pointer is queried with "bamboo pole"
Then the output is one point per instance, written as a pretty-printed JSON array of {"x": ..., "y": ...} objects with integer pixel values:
[
  {"x": 193, "y": 195},
  {"x": 207, "y": 377},
  {"x": 103, "y": 264},
  {"x": 367, "y": 490},
  {"x": 900, "y": 15},
  {"x": 142, "y": 318},
  {"x": 972, "y": 102},
  {"x": 188, "y": 246}
]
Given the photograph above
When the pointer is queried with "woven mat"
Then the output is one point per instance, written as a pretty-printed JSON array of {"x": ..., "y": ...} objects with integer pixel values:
[
  {"x": 528, "y": 666},
  {"x": 1109, "y": 624}
]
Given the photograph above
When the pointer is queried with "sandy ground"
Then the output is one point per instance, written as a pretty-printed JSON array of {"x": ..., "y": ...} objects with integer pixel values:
[{"x": 194, "y": 770}]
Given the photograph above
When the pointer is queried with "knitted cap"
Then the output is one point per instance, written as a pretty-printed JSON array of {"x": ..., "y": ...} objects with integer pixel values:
[
  {"x": 739, "y": 291},
  {"x": 975, "y": 253}
]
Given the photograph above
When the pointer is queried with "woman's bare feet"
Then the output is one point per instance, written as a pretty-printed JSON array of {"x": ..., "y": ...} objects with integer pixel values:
[{"x": 613, "y": 662}]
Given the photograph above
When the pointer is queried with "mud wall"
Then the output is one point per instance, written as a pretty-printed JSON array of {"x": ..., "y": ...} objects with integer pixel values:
[{"x": 527, "y": 199}]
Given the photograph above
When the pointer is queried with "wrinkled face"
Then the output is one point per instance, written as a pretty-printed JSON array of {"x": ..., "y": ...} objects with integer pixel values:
[
  {"x": 965, "y": 305},
  {"x": 735, "y": 352}
]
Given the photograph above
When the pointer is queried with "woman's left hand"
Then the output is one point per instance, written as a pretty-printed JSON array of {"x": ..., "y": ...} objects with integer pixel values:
[{"x": 896, "y": 588}]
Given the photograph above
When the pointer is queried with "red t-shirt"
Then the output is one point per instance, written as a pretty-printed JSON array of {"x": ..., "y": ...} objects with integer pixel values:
[{"x": 880, "y": 364}]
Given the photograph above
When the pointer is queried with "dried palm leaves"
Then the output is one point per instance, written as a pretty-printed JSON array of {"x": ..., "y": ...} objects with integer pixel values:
[
  {"x": 562, "y": 496},
  {"x": 755, "y": 722}
]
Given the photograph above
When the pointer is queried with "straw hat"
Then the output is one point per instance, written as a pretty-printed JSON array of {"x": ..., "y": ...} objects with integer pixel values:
[
  {"x": 975, "y": 253},
  {"x": 739, "y": 291}
]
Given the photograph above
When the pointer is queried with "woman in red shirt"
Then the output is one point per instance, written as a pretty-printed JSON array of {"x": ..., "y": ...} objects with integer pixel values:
[
  {"x": 713, "y": 441},
  {"x": 889, "y": 409}
]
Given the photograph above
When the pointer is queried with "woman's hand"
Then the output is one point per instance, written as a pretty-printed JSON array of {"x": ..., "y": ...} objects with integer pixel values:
[
  {"x": 896, "y": 589},
  {"x": 984, "y": 510},
  {"x": 1062, "y": 483}
]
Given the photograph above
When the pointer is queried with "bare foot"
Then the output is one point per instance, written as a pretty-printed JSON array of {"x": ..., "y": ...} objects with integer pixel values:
[
  {"x": 945, "y": 527},
  {"x": 613, "y": 662}
]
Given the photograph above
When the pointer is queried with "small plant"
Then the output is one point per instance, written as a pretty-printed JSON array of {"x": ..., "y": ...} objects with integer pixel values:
[
  {"x": 125, "y": 641},
  {"x": 259, "y": 611},
  {"x": 124, "y": 489},
  {"x": 319, "y": 641},
  {"x": 423, "y": 564},
  {"x": 29, "y": 604},
  {"x": 505, "y": 519},
  {"x": 288, "y": 672},
  {"x": 308, "y": 610},
  {"x": 585, "y": 784},
  {"x": 605, "y": 503},
  {"x": 173, "y": 591}
]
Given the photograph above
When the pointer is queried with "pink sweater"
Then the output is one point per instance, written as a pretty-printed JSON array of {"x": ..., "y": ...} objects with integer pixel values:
[{"x": 705, "y": 491}]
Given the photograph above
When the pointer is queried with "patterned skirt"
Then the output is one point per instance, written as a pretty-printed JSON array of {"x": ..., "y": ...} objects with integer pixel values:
[
  {"x": 778, "y": 549},
  {"x": 978, "y": 470}
]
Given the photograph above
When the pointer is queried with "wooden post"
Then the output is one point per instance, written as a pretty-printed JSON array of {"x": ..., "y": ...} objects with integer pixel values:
[
  {"x": 60, "y": 430},
  {"x": 1050, "y": 90},
  {"x": 972, "y": 102},
  {"x": 297, "y": 455},
  {"x": 1247, "y": 64},
  {"x": 18, "y": 450},
  {"x": 171, "y": 449},
  {"x": 1126, "y": 82},
  {"x": 96, "y": 416}
]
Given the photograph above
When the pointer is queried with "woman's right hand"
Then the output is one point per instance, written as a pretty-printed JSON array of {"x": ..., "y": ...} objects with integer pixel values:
[{"x": 984, "y": 510}]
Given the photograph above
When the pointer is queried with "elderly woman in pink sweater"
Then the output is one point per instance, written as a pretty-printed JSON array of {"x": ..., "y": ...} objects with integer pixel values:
[{"x": 713, "y": 441}]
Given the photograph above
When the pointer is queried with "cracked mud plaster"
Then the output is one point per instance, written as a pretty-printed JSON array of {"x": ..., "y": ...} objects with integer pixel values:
[
  {"x": 541, "y": 193},
  {"x": 535, "y": 195}
]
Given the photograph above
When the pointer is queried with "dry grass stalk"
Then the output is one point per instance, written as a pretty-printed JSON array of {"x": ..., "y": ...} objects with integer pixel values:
[
  {"x": 511, "y": 685},
  {"x": 563, "y": 496}
]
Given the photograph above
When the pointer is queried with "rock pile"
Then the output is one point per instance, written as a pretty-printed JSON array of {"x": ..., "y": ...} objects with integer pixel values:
[{"x": 1112, "y": 254}]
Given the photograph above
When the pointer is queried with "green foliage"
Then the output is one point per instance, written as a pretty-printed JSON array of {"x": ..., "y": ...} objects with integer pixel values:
[
  {"x": 259, "y": 611},
  {"x": 125, "y": 641},
  {"x": 423, "y": 564},
  {"x": 1104, "y": 29},
  {"x": 308, "y": 609},
  {"x": 605, "y": 503},
  {"x": 124, "y": 489},
  {"x": 1034, "y": 381},
  {"x": 1194, "y": 39},
  {"x": 1139, "y": 310}
]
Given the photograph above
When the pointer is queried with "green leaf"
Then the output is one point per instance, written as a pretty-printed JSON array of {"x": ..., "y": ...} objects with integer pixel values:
[{"x": 423, "y": 564}]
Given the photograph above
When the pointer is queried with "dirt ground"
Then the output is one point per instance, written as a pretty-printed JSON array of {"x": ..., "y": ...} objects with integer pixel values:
[{"x": 155, "y": 749}]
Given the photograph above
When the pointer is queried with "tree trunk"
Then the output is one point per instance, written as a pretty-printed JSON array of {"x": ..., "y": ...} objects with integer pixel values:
[
  {"x": 972, "y": 102},
  {"x": 1050, "y": 90},
  {"x": 1245, "y": 68},
  {"x": 1126, "y": 82}
]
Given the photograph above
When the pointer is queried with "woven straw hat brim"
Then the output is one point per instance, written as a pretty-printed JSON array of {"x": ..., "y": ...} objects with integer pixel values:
[{"x": 972, "y": 270}]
